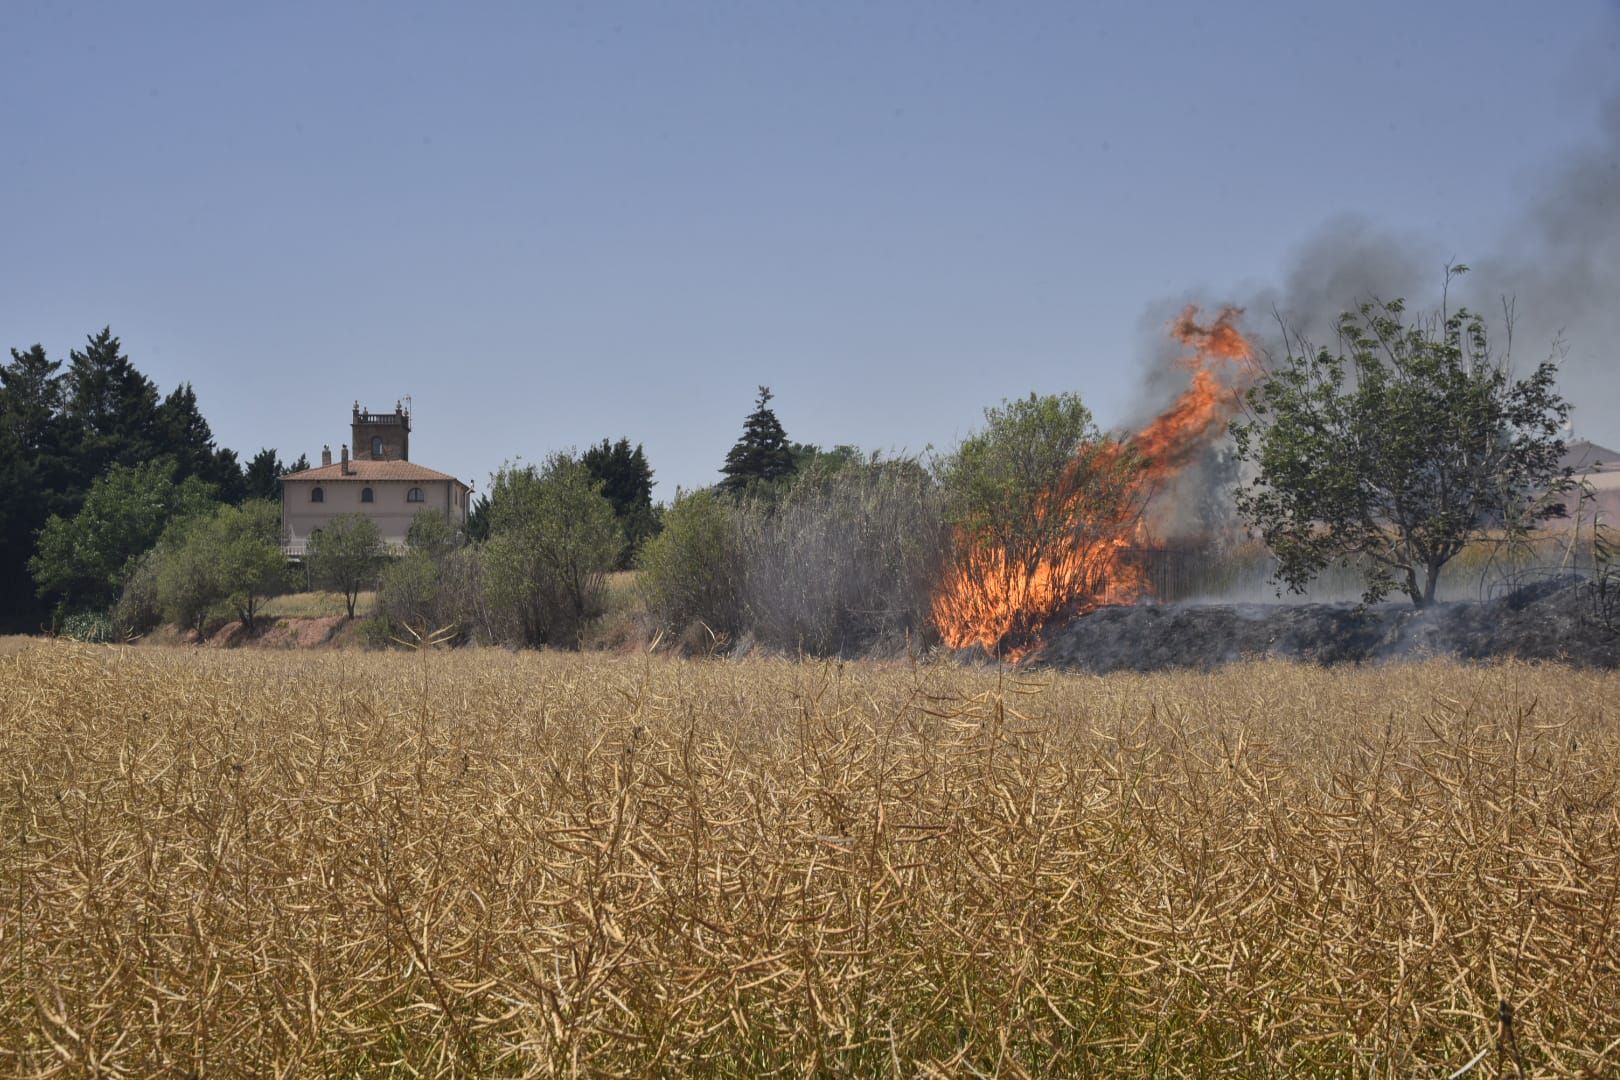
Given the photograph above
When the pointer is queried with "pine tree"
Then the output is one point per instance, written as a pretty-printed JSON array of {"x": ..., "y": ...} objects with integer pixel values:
[
  {"x": 37, "y": 474},
  {"x": 762, "y": 455},
  {"x": 225, "y": 473},
  {"x": 31, "y": 398},
  {"x": 626, "y": 481},
  {"x": 263, "y": 475},
  {"x": 184, "y": 435},
  {"x": 111, "y": 408}
]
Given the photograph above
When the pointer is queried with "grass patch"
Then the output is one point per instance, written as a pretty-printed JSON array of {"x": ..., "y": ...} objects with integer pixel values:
[{"x": 315, "y": 605}]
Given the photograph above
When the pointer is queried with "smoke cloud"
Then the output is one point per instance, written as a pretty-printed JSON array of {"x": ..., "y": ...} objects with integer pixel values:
[
  {"x": 1560, "y": 266},
  {"x": 1556, "y": 267}
]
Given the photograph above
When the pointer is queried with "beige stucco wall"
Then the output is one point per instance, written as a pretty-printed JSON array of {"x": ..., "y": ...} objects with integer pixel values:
[{"x": 300, "y": 516}]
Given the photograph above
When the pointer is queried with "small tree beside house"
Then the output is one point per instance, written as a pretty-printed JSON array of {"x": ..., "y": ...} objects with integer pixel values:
[{"x": 345, "y": 556}]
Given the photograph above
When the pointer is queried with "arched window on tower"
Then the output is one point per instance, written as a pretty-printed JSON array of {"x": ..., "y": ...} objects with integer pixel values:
[
  {"x": 317, "y": 495},
  {"x": 415, "y": 495},
  {"x": 366, "y": 496},
  {"x": 376, "y": 446}
]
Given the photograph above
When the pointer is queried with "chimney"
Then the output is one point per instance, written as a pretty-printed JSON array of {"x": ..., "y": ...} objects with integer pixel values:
[
  {"x": 326, "y": 455},
  {"x": 345, "y": 469}
]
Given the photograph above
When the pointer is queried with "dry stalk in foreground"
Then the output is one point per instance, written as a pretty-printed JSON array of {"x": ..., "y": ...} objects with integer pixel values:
[{"x": 474, "y": 863}]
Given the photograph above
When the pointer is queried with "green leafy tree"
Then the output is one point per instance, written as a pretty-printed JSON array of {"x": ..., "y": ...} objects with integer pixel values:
[
  {"x": 761, "y": 455},
  {"x": 183, "y": 576},
  {"x": 244, "y": 546},
  {"x": 344, "y": 555},
  {"x": 300, "y": 465},
  {"x": 553, "y": 539},
  {"x": 1038, "y": 498},
  {"x": 691, "y": 572},
  {"x": 261, "y": 478},
  {"x": 626, "y": 481},
  {"x": 431, "y": 533},
  {"x": 434, "y": 588},
  {"x": 1399, "y": 450},
  {"x": 84, "y": 560},
  {"x": 808, "y": 455}
]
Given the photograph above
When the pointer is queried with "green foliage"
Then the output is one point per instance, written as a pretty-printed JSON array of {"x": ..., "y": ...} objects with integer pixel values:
[
  {"x": 808, "y": 455},
  {"x": 435, "y": 586},
  {"x": 626, "y": 481},
  {"x": 344, "y": 556},
  {"x": 85, "y": 560},
  {"x": 231, "y": 560},
  {"x": 249, "y": 563},
  {"x": 761, "y": 455},
  {"x": 140, "y": 607},
  {"x": 478, "y": 520},
  {"x": 431, "y": 533},
  {"x": 60, "y": 433},
  {"x": 262, "y": 477},
  {"x": 111, "y": 408},
  {"x": 999, "y": 480},
  {"x": 690, "y": 572},
  {"x": 553, "y": 539},
  {"x": 188, "y": 585},
  {"x": 1399, "y": 450},
  {"x": 38, "y": 476},
  {"x": 90, "y": 627}
]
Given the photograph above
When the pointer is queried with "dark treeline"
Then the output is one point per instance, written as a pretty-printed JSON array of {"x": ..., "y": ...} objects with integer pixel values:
[{"x": 64, "y": 425}]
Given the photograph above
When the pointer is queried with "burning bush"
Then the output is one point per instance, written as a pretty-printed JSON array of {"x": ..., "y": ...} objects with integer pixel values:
[
  {"x": 1046, "y": 507},
  {"x": 1040, "y": 501}
]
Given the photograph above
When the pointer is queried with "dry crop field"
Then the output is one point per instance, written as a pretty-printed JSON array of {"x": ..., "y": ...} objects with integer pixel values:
[{"x": 479, "y": 863}]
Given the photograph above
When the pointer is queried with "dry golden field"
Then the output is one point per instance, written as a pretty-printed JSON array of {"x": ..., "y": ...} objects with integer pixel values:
[{"x": 477, "y": 863}]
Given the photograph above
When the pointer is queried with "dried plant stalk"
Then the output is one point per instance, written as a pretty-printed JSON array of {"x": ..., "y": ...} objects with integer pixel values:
[{"x": 475, "y": 863}]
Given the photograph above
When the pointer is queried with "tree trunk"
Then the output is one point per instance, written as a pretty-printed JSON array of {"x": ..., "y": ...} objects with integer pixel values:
[
  {"x": 1412, "y": 590},
  {"x": 1431, "y": 583}
]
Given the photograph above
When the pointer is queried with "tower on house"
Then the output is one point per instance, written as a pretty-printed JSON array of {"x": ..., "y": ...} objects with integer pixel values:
[{"x": 382, "y": 436}]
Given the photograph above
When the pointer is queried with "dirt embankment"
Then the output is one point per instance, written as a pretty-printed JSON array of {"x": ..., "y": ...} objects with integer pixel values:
[
  {"x": 1564, "y": 620},
  {"x": 327, "y": 631}
]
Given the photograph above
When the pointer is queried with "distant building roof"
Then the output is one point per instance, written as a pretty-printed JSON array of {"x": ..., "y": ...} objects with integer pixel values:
[
  {"x": 361, "y": 469},
  {"x": 1584, "y": 456}
]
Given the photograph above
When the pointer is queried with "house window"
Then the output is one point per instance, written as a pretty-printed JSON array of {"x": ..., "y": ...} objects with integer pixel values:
[
  {"x": 365, "y": 495},
  {"x": 415, "y": 495},
  {"x": 317, "y": 495},
  {"x": 376, "y": 448}
]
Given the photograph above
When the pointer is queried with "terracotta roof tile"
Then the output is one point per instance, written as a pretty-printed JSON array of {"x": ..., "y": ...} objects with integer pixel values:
[{"x": 363, "y": 469}]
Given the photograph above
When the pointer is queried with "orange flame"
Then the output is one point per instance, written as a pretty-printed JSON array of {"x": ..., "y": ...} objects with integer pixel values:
[{"x": 1001, "y": 604}]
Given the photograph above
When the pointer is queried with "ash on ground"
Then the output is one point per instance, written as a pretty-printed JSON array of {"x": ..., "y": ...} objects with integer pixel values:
[{"x": 1568, "y": 620}]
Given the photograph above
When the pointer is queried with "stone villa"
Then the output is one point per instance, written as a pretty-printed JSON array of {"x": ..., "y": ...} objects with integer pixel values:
[{"x": 380, "y": 481}]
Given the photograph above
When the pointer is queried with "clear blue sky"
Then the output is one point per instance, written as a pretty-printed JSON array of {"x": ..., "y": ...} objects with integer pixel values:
[{"x": 551, "y": 223}]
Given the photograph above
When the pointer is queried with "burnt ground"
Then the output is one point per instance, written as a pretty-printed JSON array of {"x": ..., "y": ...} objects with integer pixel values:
[{"x": 1566, "y": 620}]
